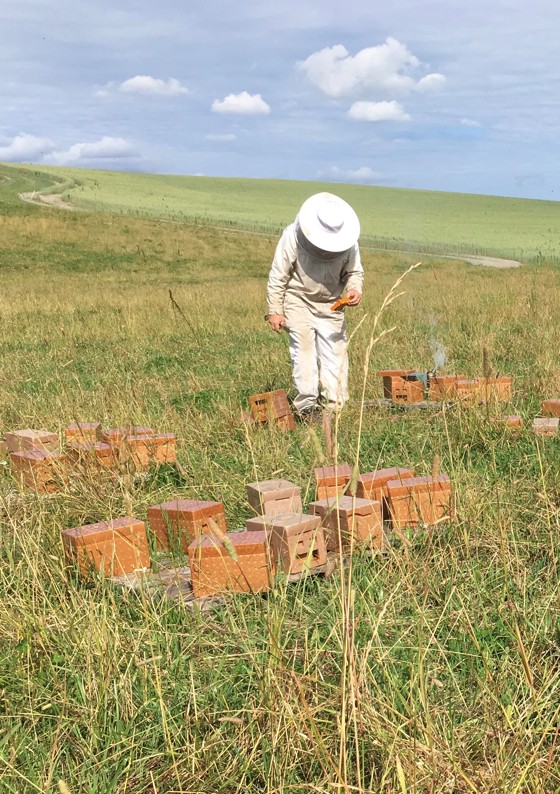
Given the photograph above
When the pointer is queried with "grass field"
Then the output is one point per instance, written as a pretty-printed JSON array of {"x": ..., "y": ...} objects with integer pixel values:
[
  {"x": 431, "y": 668},
  {"x": 414, "y": 220}
]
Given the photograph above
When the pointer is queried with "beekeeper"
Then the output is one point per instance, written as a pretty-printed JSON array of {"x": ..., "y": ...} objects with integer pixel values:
[{"x": 316, "y": 259}]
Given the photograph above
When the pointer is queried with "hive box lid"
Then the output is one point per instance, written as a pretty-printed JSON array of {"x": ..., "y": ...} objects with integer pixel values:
[
  {"x": 103, "y": 530},
  {"x": 418, "y": 484},
  {"x": 149, "y": 440},
  {"x": 446, "y": 379},
  {"x": 78, "y": 427},
  {"x": 291, "y": 523},
  {"x": 382, "y": 476},
  {"x": 27, "y": 438},
  {"x": 395, "y": 373},
  {"x": 244, "y": 543},
  {"x": 332, "y": 475},
  {"x": 267, "y": 490},
  {"x": 36, "y": 455},
  {"x": 346, "y": 505},
  {"x": 194, "y": 508}
]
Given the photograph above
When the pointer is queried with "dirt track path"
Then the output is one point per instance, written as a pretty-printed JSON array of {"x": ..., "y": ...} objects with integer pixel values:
[{"x": 56, "y": 200}]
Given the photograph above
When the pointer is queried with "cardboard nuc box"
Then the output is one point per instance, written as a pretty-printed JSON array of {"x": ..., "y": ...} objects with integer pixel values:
[
  {"x": 28, "y": 440},
  {"x": 347, "y": 521},
  {"x": 332, "y": 480},
  {"x": 270, "y": 497},
  {"x": 175, "y": 524},
  {"x": 419, "y": 500},
  {"x": 36, "y": 468},
  {"x": 546, "y": 426},
  {"x": 112, "y": 548},
  {"x": 82, "y": 431},
  {"x": 296, "y": 540},
  {"x": 238, "y": 564},
  {"x": 550, "y": 408}
]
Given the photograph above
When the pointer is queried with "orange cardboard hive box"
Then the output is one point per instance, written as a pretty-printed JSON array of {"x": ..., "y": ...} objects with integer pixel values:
[
  {"x": 468, "y": 390},
  {"x": 513, "y": 423},
  {"x": 419, "y": 500},
  {"x": 239, "y": 565},
  {"x": 550, "y": 408},
  {"x": 181, "y": 521},
  {"x": 41, "y": 470},
  {"x": 113, "y": 547},
  {"x": 495, "y": 389},
  {"x": 373, "y": 484},
  {"x": 115, "y": 436},
  {"x": 272, "y": 407},
  {"x": 332, "y": 480},
  {"x": 400, "y": 386},
  {"x": 28, "y": 440},
  {"x": 82, "y": 431},
  {"x": 297, "y": 541},
  {"x": 142, "y": 450},
  {"x": 444, "y": 387},
  {"x": 270, "y": 497},
  {"x": 349, "y": 520},
  {"x": 91, "y": 453}
]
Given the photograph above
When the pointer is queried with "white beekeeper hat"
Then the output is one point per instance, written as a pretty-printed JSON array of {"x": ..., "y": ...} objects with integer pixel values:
[{"x": 329, "y": 222}]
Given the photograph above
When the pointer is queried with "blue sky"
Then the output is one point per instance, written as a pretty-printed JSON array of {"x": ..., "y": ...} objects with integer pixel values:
[{"x": 434, "y": 94}]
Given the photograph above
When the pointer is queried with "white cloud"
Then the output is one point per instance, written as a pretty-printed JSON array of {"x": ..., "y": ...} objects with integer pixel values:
[
  {"x": 470, "y": 123},
  {"x": 107, "y": 148},
  {"x": 243, "y": 104},
  {"x": 364, "y": 174},
  {"x": 431, "y": 82},
  {"x": 144, "y": 84},
  {"x": 378, "y": 111},
  {"x": 227, "y": 136},
  {"x": 25, "y": 148},
  {"x": 387, "y": 67}
]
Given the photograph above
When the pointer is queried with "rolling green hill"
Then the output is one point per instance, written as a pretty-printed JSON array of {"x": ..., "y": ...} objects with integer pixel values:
[{"x": 413, "y": 220}]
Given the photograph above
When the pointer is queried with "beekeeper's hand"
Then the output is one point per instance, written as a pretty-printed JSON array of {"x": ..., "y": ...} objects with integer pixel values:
[
  {"x": 276, "y": 322},
  {"x": 354, "y": 297}
]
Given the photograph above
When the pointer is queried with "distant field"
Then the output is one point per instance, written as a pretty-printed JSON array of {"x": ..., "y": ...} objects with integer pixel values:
[{"x": 413, "y": 220}]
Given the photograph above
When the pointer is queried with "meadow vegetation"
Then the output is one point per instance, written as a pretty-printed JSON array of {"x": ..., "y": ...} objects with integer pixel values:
[{"x": 433, "y": 667}]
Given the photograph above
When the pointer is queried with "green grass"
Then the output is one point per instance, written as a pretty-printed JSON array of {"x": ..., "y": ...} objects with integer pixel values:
[
  {"x": 431, "y": 668},
  {"x": 414, "y": 220}
]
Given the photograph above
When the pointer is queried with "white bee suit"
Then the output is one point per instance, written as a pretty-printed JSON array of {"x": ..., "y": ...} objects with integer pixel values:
[{"x": 303, "y": 284}]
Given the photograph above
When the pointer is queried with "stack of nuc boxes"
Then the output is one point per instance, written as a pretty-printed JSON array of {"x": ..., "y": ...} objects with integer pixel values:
[
  {"x": 39, "y": 461},
  {"x": 408, "y": 386},
  {"x": 279, "y": 539}
]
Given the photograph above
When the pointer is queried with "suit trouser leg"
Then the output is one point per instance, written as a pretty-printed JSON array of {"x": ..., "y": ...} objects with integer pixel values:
[
  {"x": 303, "y": 353},
  {"x": 318, "y": 350},
  {"x": 332, "y": 353}
]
